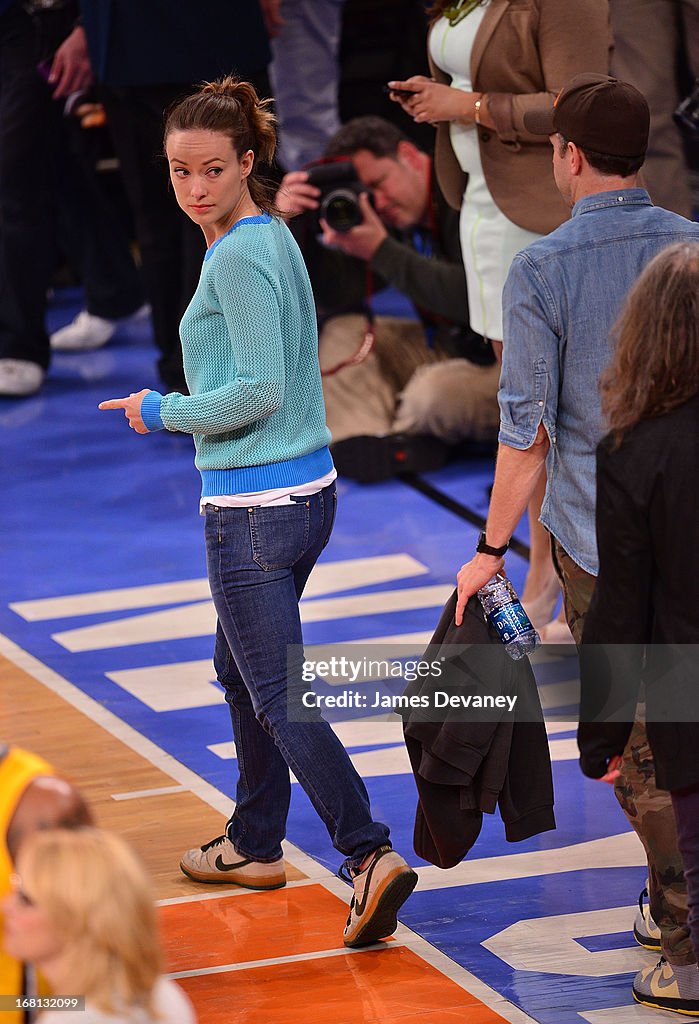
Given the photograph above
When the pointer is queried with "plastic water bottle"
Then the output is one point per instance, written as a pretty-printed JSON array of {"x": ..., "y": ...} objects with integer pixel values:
[{"x": 505, "y": 612}]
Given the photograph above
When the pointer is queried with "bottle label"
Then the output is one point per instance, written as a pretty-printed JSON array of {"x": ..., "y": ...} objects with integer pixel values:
[{"x": 510, "y": 621}]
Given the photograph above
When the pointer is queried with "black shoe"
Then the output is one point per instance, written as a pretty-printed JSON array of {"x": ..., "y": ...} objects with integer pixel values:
[{"x": 369, "y": 459}]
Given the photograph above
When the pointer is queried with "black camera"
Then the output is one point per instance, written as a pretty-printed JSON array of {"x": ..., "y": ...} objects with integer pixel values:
[
  {"x": 687, "y": 114},
  {"x": 340, "y": 189}
]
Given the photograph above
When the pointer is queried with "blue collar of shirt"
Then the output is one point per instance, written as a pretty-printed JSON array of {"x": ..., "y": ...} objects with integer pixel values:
[
  {"x": 618, "y": 197},
  {"x": 260, "y": 218}
]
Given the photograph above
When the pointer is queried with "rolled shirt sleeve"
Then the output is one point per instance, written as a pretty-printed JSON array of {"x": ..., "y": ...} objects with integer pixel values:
[{"x": 529, "y": 380}]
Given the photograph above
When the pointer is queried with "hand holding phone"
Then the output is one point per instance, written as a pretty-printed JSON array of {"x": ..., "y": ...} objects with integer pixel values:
[{"x": 398, "y": 92}]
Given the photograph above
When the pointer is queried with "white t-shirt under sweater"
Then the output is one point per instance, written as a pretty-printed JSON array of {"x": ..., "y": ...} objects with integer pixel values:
[{"x": 276, "y": 496}]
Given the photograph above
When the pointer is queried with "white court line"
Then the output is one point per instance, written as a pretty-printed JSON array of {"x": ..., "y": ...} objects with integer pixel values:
[
  {"x": 136, "y": 794},
  {"x": 220, "y": 802},
  {"x": 115, "y": 726},
  {"x": 274, "y": 961},
  {"x": 355, "y": 572},
  {"x": 221, "y": 892}
]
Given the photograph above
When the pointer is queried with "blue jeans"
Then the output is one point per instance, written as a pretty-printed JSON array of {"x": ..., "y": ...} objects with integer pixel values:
[{"x": 258, "y": 562}]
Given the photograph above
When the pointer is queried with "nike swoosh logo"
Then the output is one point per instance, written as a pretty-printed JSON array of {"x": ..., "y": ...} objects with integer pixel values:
[
  {"x": 222, "y": 866},
  {"x": 360, "y": 905},
  {"x": 662, "y": 983}
]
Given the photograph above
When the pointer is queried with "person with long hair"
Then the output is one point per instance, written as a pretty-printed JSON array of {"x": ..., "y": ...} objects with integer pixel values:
[
  {"x": 256, "y": 411},
  {"x": 81, "y": 912},
  {"x": 645, "y": 608},
  {"x": 492, "y": 61},
  {"x": 32, "y": 797}
]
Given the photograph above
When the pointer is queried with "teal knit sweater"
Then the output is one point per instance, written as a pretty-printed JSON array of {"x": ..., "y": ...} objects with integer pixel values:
[{"x": 250, "y": 348}]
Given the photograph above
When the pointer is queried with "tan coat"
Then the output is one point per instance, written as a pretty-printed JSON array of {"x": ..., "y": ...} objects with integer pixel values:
[{"x": 524, "y": 53}]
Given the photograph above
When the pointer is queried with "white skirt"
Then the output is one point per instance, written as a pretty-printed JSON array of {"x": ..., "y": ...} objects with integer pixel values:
[{"x": 489, "y": 241}]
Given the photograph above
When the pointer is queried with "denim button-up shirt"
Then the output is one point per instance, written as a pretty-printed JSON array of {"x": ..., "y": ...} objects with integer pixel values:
[{"x": 561, "y": 299}]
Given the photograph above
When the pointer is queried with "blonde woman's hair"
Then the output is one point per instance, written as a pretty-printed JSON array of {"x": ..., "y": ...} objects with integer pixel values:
[
  {"x": 233, "y": 108},
  {"x": 96, "y": 894},
  {"x": 655, "y": 366}
]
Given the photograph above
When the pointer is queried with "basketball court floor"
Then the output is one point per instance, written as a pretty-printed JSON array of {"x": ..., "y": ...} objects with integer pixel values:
[{"x": 105, "y": 668}]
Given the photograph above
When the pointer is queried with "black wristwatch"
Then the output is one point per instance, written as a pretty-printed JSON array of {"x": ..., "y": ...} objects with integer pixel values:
[{"x": 484, "y": 548}]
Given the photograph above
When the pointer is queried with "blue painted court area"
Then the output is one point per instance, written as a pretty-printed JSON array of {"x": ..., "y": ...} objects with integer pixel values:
[{"x": 102, "y": 580}]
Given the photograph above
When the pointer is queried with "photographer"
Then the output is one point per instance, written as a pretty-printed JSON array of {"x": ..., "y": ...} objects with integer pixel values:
[{"x": 425, "y": 375}]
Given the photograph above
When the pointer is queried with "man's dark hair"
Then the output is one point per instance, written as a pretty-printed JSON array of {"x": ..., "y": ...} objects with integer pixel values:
[
  {"x": 378, "y": 136},
  {"x": 621, "y": 166}
]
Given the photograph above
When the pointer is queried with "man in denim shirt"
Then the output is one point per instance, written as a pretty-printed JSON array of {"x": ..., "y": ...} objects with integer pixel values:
[{"x": 561, "y": 300}]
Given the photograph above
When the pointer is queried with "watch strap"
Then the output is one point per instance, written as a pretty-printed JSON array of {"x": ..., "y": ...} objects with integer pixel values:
[{"x": 484, "y": 548}]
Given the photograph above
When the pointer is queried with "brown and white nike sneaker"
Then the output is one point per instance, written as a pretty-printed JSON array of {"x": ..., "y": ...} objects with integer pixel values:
[
  {"x": 380, "y": 890},
  {"x": 218, "y": 863}
]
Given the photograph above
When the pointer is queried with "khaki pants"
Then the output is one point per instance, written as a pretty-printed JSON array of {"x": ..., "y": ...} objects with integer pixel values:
[
  {"x": 403, "y": 386},
  {"x": 648, "y": 809}
]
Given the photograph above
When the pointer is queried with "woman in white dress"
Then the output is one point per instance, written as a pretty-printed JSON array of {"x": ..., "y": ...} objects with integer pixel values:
[{"x": 491, "y": 61}]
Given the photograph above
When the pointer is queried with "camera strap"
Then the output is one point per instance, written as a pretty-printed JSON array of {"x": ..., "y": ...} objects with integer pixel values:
[{"x": 369, "y": 339}]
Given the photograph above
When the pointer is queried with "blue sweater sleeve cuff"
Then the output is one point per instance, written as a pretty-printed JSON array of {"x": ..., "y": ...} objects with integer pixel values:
[{"x": 150, "y": 411}]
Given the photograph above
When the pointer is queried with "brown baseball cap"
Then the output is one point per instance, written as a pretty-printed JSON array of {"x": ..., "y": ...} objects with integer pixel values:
[{"x": 596, "y": 112}]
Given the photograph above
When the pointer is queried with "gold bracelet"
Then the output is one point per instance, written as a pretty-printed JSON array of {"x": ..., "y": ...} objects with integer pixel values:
[{"x": 477, "y": 108}]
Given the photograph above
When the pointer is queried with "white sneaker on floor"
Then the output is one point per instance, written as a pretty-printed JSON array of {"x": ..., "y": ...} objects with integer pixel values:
[
  {"x": 87, "y": 331},
  {"x": 219, "y": 863},
  {"x": 380, "y": 890},
  {"x": 19, "y": 378}
]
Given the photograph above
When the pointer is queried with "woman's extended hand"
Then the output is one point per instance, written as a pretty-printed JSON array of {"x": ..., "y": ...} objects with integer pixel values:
[
  {"x": 132, "y": 409},
  {"x": 434, "y": 102}
]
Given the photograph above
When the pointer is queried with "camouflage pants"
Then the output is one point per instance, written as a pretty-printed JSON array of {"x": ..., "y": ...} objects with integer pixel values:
[{"x": 648, "y": 809}]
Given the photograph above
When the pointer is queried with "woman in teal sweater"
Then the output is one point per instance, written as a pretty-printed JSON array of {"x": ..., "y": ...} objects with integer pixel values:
[{"x": 256, "y": 412}]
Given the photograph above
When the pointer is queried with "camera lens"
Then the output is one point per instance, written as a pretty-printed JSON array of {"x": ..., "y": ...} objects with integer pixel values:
[{"x": 340, "y": 209}]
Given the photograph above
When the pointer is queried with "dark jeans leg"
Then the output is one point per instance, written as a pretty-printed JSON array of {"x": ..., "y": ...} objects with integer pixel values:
[
  {"x": 685, "y": 803},
  {"x": 258, "y": 561},
  {"x": 28, "y": 131},
  {"x": 92, "y": 229},
  {"x": 172, "y": 247},
  {"x": 263, "y": 791}
]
